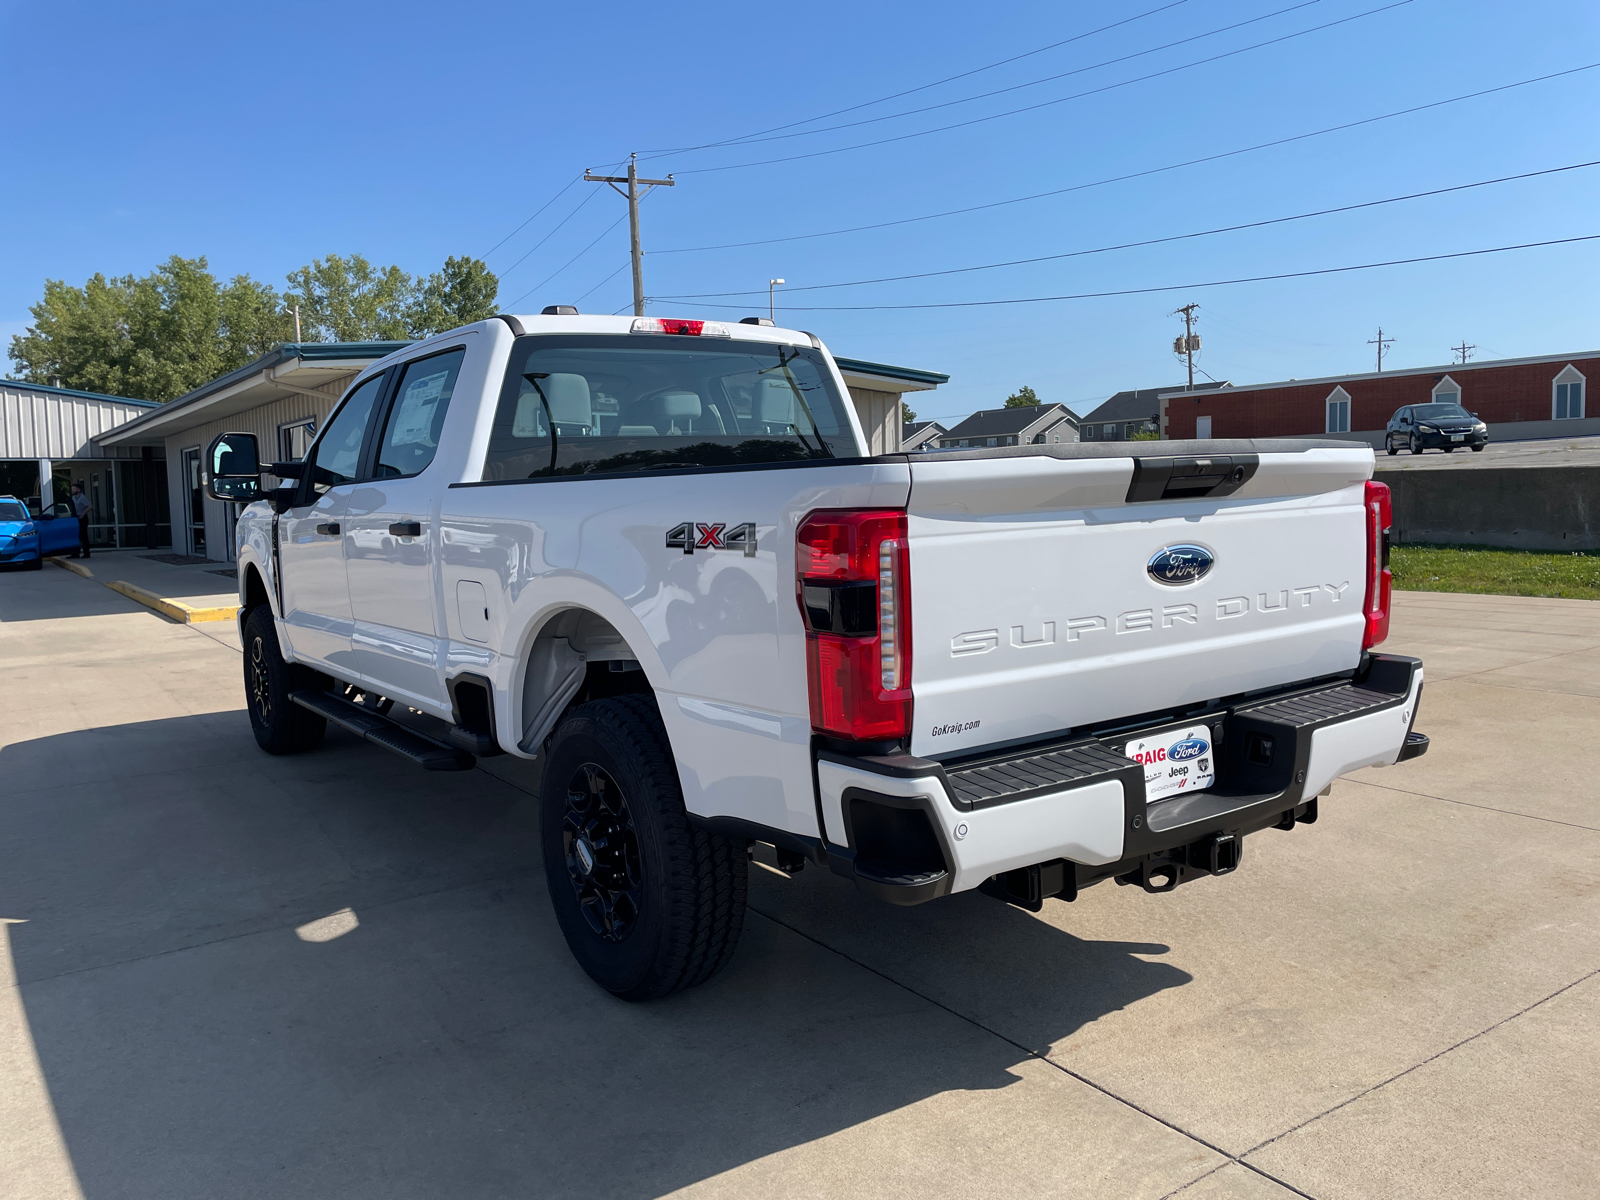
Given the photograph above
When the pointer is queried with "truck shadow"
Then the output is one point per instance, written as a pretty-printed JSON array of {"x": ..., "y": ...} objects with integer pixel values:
[{"x": 336, "y": 975}]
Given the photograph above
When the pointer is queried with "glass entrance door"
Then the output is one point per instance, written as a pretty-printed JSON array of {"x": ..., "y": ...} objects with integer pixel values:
[{"x": 197, "y": 503}]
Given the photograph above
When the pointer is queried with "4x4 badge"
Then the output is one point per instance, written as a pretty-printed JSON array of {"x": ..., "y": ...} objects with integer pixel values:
[{"x": 712, "y": 535}]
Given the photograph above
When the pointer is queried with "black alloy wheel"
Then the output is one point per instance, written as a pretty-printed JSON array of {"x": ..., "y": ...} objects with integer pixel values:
[
  {"x": 648, "y": 903},
  {"x": 281, "y": 726},
  {"x": 601, "y": 848}
]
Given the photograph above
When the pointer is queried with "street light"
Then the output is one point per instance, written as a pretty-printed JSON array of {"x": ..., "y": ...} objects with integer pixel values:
[{"x": 772, "y": 310}]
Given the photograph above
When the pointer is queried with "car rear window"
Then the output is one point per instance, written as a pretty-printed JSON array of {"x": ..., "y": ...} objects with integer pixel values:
[{"x": 574, "y": 405}]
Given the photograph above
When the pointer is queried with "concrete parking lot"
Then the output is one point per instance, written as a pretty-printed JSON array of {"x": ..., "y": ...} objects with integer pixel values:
[{"x": 223, "y": 974}]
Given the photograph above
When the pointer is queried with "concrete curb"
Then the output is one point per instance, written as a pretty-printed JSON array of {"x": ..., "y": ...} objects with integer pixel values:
[
  {"x": 178, "y": 611},
  {"x": 68, "y": 564}
]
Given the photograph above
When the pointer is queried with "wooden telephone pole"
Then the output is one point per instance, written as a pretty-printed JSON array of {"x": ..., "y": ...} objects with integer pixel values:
[
  {"x": 1190, "y": 341},
  {"x": 633, "y": 194}
]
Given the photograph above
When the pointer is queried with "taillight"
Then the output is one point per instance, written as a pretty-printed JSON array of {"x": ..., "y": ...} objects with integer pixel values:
[
  {"x": 678, "y": 326},
  {"x": 854, "y": 586},
  {"x": 1380, "y": 581}
]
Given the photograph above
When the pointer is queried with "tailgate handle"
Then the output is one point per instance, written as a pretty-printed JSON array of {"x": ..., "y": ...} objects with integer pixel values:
[{"x": 1190, "y": 477}]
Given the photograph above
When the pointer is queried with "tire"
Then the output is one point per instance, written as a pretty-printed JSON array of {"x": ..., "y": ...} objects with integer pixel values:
[
  {"x": 1389, "y": 445},
  {"x": 1449, "y": 449},
  {"x": 280, "y": 725},
  {"x": 648, "y": 904},
  {"x": 1477, "y": 448},
  {"x": 36, "y": 565},
  {"x": 1416, "y": 445}
]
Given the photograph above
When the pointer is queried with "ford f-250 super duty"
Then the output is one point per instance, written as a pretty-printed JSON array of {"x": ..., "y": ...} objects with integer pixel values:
[{"x": 655, "y": 554}]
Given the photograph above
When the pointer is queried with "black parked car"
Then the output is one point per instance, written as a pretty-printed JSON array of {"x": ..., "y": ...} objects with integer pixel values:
[{"x": 1419, "y": 427}]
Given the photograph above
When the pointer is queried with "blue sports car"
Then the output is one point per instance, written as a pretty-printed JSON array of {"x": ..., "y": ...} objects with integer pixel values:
[{"x": 27, "y": 540}]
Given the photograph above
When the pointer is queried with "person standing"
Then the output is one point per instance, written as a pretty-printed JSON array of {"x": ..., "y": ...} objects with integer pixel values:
[{"x": 80, "y": 505}]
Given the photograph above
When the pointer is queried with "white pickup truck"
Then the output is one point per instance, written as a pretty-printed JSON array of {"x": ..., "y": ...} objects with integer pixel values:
[{"x": 655, "y": 554}]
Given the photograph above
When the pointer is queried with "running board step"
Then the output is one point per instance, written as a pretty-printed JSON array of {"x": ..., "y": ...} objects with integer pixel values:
[{"x": 427, "y": 753}]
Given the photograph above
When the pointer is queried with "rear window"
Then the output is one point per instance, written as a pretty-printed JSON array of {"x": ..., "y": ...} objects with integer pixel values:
[{"x": 596, "y": 405}]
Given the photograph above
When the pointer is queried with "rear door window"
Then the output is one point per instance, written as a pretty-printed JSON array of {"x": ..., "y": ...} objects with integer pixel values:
[
  {"x": 574, "y": 405},
  {"x": 416, "y": 414}
]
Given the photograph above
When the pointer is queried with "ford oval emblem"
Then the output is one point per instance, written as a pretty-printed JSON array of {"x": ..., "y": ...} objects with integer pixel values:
[
  {"x": 1187, "y": 749},
  {"x": 1177, "y": 565}
]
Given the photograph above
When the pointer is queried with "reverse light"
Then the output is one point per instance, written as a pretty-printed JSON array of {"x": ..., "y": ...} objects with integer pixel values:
[
  {"x": 853, "y": 584},
  {"x": 1380, "y": 580},
  {"x": 678, "y": 326}
]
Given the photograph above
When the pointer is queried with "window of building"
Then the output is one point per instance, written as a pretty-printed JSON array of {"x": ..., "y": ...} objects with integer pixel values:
[
  {"x": 1088, "y": 433},
  {"x": 1447, "y": 391},
  {"x": 295, "y": 438},
  {"x": 1338, "y": 411},
  {"x": 1567, "y": 397}
]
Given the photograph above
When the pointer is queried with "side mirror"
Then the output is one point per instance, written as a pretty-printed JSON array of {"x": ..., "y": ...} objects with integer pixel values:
[{"x": 233, "y": 468}]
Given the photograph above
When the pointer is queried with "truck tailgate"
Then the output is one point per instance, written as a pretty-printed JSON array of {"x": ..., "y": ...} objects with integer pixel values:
[{"x": 1041, "y": 601}]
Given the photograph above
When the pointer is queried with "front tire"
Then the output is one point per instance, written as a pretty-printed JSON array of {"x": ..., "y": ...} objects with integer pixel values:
[
  {"x": 281, "y": 726},
  {"x": 1389, "y": 445},
  {"x": 648, "y": 904},
  {"x": 1416, "y": 444},
  {"x": 1477, "y": 448}
]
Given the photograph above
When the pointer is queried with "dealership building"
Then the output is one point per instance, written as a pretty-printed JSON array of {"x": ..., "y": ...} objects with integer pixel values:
[{"x": 1519, "y": 398}]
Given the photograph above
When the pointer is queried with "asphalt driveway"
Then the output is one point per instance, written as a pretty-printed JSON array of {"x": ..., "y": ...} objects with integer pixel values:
[{"x": 223, "y": 974}]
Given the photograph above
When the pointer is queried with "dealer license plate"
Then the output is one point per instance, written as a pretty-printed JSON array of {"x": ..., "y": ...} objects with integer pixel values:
[
  {"x": 1457, "y": 437},
  {"x": 1175, "y": 761}
]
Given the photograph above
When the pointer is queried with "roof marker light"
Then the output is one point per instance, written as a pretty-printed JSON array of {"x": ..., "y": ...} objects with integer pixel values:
[{"x": 679, "y": 326}]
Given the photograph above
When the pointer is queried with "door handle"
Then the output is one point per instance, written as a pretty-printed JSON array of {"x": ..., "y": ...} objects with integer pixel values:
[
  {"x": 331, "y": 528},
  {"x": 406, "y": 529}
]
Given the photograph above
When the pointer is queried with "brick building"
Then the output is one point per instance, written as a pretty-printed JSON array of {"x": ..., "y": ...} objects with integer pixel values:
[{"x": 1519, "y": 399}]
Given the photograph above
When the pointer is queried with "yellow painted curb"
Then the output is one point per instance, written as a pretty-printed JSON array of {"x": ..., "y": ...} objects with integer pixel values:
[
  {"x": 75, "y": 568},
  {"x": 178, "y": 611}
]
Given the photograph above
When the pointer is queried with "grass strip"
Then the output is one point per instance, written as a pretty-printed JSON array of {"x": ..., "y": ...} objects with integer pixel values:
[{"x": 1491, "y": 570}]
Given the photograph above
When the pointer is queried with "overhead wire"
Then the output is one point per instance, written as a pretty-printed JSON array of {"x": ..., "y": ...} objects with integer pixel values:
[
  {"x": 525, "y": 224},
  {"x": 767, "y": 162},
  {"x": 1178, "y": 287},
  {"x": 571, "y": 260},
  {"x": 603, "y": 282},
  {"x": 1176, "y": 237},
  {"x": 1078, "y": 187},
  {"x": 1016, "y": 87},
  {"x": 922, "y": 87}
]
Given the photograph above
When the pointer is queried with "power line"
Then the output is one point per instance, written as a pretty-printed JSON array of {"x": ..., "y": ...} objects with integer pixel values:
[
  {"x": 1176, "y": 287},
  {"x": 602, "y": 283},
  {"x": 1078, "y": 187},
  {"x": 569, "y": 261},
  {"x": 766, "y": 162},
  {"x": 1016, "y": 87},
  {"x": 1176, "y": 237},
  {"x": 922, "y": 87},
  {"x": 549, "y": 235},
  {"x": 525, "y": 224}
]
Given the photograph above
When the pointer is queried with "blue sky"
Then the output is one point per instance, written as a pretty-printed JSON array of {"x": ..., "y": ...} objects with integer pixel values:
[{"x": 262, "y": 137}]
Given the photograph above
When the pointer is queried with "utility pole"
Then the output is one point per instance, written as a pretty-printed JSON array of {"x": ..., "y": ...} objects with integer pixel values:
[
  {"x": 1382, "y": 343},
  {"x": 772, "y": 307},
  {"x": 1464, "y": 350},
  {"x": 1190, "y": 341},
  {"x": 633, "y": 194}
]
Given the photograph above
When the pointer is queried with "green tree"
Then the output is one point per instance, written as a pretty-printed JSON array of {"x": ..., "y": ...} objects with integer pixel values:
[
  {"x": 460, "y": 294},
  {"x": 151, "y": 338},
  {"x": 350, "y": 300},
  {"x": 906, "y": 415},
  {"x": 1023, "y": 397}
]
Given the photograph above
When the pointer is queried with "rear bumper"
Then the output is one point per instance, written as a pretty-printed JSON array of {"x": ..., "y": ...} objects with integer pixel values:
[{"x": 1072, "y": 812}]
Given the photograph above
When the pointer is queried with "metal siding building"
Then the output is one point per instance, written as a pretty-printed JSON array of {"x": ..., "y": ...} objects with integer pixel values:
[{"x": 50, "y": 439}]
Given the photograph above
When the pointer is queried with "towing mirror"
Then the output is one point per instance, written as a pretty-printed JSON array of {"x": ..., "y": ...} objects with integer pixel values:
[{"x": 233, "y": 468}]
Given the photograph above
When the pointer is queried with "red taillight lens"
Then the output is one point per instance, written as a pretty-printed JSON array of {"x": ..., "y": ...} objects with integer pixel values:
[
  {"x": 854, "y": 587},
  {"x": 679, "y": 326},
  {"x": 1380, "y": 581}
]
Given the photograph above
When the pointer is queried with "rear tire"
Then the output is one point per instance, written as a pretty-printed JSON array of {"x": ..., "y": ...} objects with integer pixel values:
[
  {"x": 648, "y": 904},
  {"x": 281, "y": 726}
]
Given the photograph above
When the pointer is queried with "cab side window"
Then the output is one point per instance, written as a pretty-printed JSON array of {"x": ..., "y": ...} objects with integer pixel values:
[
  {"x": 416, "y": 415},
  {"x": 336, "y": 457}
]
